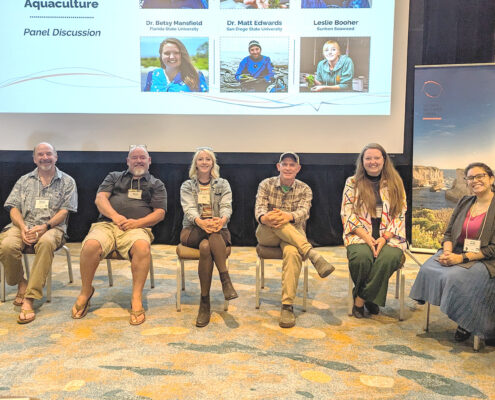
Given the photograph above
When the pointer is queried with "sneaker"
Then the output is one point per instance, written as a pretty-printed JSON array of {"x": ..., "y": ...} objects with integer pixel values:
[{"x": 287, "y": 317}]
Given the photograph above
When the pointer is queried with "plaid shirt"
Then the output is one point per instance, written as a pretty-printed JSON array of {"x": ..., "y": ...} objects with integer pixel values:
[
  {"x": 61, "y": 193},
  {"x": 296, "y": 201}
]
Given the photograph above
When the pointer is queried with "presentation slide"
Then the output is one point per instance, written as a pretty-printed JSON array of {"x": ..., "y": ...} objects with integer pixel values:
[
  {"x": 233, "y": 57},
  {"x": 241, "y": 76}
]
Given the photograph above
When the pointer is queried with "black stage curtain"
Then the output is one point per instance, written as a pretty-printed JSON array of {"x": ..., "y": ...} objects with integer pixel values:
[{"x": 458, "y": 31}]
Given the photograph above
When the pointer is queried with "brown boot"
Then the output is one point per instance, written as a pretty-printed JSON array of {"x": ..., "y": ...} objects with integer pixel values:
[
  {"x": 228, "y": 290},
  {"x": 203, "y": 318}
]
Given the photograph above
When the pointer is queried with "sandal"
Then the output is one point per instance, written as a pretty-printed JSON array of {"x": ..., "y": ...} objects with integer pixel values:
[
  {"x": 19, "y": 296},
  {"x": 84, "y": 307},
  {"x": 136, "y": 314},
  {"x": 25, "y": 320}
]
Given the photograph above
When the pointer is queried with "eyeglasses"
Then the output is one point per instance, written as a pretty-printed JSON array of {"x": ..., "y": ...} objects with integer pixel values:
[
  {"x": 137, "y": 146},
  {"x": 478, "y": 177}
]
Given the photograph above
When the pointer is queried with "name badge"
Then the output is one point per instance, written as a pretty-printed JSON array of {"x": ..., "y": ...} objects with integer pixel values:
[
  {"x": 42, "y": 204},
  {"x": 135, "y": 194},
  {"x": 203, "y": 198},
  {"x": 472, "y": 246}
]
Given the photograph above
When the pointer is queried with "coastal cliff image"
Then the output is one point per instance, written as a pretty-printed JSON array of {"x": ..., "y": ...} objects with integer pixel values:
[{"x": 435, "y": 194}]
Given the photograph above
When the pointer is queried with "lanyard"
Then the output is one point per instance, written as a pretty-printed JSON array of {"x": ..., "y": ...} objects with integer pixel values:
[
  {"x": 138, "y": 183},
  {"x": 469, "y": 220},
  {"x": 40, "y": 189}
]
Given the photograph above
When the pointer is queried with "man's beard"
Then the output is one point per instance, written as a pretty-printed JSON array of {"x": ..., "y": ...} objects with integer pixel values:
[
  {"x": 139, "y": 171},
  {"x": 45, "y": 166}
]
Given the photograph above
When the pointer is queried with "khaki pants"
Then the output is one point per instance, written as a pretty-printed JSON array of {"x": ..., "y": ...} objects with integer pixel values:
[
  {"x": 11, "y": 246},
  {"x": 295, "y": 247}
]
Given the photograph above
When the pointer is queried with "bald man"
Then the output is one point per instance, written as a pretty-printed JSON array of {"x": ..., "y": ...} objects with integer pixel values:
[
  {"x": 39, "y": 205},
  {"x": 130, "y": 203}
]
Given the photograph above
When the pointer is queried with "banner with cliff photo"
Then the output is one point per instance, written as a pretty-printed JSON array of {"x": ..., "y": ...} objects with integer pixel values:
[{"x": 454, "y": 125}]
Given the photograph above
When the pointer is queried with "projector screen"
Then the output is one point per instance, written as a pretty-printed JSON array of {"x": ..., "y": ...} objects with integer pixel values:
[{"x": 98, "y": 75}]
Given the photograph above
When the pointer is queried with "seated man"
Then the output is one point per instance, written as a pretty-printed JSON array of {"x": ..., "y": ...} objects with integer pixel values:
[
  {"x": 255, "y": 72},
  {"x": 130, "y": 202},
  {"x": 282, "y": 208},
  {"x": 39, "y": 205}
]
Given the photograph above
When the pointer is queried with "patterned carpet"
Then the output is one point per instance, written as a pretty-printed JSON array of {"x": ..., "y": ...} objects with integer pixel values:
[{"x": 242, "y": 354}]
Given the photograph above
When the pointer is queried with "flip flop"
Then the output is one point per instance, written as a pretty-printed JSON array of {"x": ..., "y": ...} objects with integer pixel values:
[
  {"x": 18, "y": 296},
  {"x": 26, "y": 320},
  {"x": 84, "y": 307},
  {"x": 136, "y": 314}
]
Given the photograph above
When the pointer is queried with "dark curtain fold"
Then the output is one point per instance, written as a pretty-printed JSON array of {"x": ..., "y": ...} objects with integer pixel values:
[{"x": 458, "y": 31}]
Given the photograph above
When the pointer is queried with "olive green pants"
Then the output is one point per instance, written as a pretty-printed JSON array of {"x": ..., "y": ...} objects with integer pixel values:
[{"x": 370, "y": 275}]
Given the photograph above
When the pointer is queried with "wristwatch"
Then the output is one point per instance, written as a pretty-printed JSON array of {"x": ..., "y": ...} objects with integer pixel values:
[
  {"x": 48, "y": 226},
  {"x": 465, "y": 258}
]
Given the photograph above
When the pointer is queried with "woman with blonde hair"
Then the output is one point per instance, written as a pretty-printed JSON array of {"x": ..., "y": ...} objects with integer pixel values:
[
  {"x": 373, "y": 215},
  {"x": 335, "y": 71},
  {"x": 207, "y": 203}
]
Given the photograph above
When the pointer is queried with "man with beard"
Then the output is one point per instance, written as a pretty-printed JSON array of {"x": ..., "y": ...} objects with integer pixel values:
[
  {"x": 255, "y": 72},
  {"x": 130, "y": 202},
  {"x": 39, "y": 205}
]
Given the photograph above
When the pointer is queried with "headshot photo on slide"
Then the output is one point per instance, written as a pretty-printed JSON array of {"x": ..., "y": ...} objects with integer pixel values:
[
  {"x": 334, "y": 64},
  {"x": 174, "y": 64},
  {"x": 177, "y": 4},
  {"x": 336, "y": 3},
  {"x": 254, "y": 64},
  {"x": 258, "y": 4}
]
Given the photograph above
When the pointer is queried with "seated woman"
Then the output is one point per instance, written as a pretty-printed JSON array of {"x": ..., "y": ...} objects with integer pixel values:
[
  {"x": 207, "y": 203},
  {"x": 177, "y": 73},
  {"x": 335, "y": 72},
  {"x": 459, "y": 278},
  {"x": 373, "y": 215}
]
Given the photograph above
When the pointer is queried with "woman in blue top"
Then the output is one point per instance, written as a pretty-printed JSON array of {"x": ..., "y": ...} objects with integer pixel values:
[
  {"x": 177, "y": 73},
  {"x": 207, "y": 203},
  {"x": 335, "y": 72}
]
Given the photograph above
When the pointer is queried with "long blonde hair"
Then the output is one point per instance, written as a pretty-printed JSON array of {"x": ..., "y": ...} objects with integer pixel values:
[
  {"x": 215, "y": 171},
  {"x": 389, "y": 177}
]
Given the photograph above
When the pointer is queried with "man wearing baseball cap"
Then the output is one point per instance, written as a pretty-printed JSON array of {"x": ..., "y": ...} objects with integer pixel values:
[
  {"x": 255, "y": 71},
  {"x": 282, "y": 209}
]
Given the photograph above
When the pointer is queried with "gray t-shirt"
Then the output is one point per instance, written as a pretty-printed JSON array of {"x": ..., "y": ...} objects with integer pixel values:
[{"x": 153, "y": 194}]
